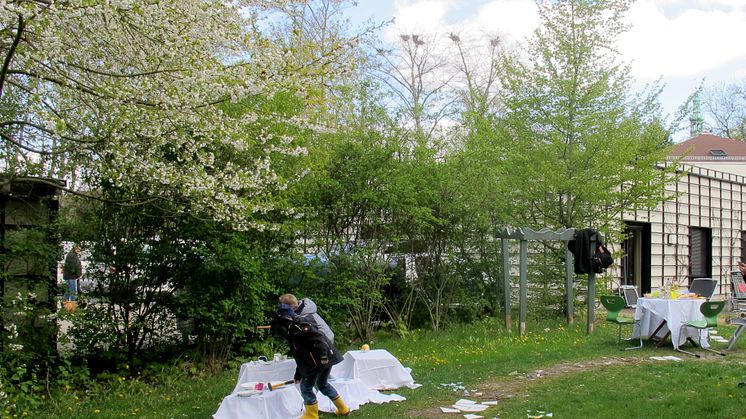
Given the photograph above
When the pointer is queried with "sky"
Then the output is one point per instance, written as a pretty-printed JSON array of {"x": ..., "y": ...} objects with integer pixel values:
[{"x": 681, "y": 42}]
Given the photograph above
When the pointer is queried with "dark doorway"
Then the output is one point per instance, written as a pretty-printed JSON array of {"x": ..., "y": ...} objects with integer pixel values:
[{"x": 635, "y": 267}]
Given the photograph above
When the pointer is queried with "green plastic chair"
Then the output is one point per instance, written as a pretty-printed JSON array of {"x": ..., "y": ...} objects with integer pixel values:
[
  {"x": 710, "y": 310},
  {"x": 613, "y": 305}
]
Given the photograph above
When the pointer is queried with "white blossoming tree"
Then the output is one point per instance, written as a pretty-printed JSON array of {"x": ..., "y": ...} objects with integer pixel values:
[{"x": 132, "y": 95}]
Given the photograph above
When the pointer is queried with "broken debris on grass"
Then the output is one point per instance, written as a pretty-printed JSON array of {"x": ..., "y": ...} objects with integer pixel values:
[
  {"x": 536, "y": 414},
  {"x": 469, "y": 406},
  {"x": 666, "y": 358}
]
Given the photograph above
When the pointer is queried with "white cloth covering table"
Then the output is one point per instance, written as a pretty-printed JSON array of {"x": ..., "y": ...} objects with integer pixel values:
[
  {"x": 265, "y": 372},
  {"x": 377, "y": 368},
  {"x": 670, "y": 314},
  {"x": 287, "y": 402},
  {"x": 355, "y": 393},
  {"x": 283, "y": 403}
]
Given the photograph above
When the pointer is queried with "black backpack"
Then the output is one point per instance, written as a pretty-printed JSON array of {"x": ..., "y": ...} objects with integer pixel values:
[{"x": 601, "y": 259}]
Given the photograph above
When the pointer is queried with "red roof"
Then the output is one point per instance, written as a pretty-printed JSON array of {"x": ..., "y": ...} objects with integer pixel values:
[{"x": 711, "y": 147}]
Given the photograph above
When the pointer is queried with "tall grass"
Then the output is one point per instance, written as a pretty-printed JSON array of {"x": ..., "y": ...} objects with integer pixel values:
[{"x": 603, "y": 381}]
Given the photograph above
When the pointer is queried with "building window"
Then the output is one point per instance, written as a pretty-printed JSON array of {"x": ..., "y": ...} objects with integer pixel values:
[{"x": 701, "y": 252}]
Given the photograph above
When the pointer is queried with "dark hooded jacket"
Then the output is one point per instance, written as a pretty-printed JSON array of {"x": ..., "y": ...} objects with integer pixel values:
[
  {"x": 73, "y": 268},
  {"x": 581, "y": 250},
  {"x": 308, "y": 345}
]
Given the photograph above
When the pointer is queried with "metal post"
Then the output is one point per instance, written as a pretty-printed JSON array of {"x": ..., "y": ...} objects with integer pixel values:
[
  {"x": 523, "y": 286},
  {"x": 507, "y": 289},
  {"x": 568, "y": 285},
  {"x": 592, "y": 290}
]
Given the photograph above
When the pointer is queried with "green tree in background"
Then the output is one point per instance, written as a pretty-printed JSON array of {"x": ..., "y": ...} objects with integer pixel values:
[{"x": 580, "y": 148}]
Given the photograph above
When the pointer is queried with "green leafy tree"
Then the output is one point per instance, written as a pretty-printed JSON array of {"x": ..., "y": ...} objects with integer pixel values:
[
  {"x": 580, "y": 148},
  {"x": 351, "y": 207},
  {"x": 165, "y": 283}
]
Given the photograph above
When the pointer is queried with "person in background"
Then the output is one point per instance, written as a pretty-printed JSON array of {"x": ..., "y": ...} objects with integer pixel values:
[
  {"x": 71, "y": 273},
  {"x": 314, "y": 356},
  {"x": 742, "y": 268},
  {"x": 306, "y": 308}
]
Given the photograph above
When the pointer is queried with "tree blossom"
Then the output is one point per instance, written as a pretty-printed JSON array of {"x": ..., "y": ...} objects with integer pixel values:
[{"x": 133, "y": 94}]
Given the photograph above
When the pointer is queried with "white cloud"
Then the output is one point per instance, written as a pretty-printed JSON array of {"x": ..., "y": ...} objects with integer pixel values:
[
  {"x": 680, "y": 41},
  {"x": 668, "y": 38},
  {"x": 515, "y": 19},
  {"x": 689, "y": 42},
  {"x": 512, "y": 20},
  {"x": 728, "y": 4},
  {"x": 424, "y": 16}
]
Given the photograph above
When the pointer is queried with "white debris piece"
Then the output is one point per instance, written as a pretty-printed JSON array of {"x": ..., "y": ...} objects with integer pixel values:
[
  {"x": 454, "y": 386},
  {"x": 665, "y": 358},
  {"x": 449, "y": 410},
  {"x": 473, "y": 407}
]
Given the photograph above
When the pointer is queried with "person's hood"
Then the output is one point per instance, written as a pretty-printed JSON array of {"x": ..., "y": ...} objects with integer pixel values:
[
  {"x": 285, "y": 311},
  {"x": 307, "y": 307}
]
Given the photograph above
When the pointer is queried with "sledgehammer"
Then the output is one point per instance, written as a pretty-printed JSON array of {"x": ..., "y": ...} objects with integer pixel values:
[{"x": 275, "y": 386}]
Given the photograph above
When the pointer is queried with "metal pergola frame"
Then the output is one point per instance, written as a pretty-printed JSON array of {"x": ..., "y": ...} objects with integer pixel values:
[{"x": 524, "y": 234}]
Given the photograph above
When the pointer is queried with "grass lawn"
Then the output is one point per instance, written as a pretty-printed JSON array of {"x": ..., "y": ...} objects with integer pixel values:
[{"x": 552, "y": 369}]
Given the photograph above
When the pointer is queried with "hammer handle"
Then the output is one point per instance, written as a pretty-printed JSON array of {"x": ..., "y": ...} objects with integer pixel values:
[{"x": 278, "y": 385}]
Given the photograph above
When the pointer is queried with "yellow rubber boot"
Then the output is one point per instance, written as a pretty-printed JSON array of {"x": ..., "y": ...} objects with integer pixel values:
[
  {"x": 312, "y": 411},
  {"x": 342, "y": 409}
]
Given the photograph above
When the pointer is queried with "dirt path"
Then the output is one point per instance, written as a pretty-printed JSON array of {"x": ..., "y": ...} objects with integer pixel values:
[{"x": 515, "y": 383}]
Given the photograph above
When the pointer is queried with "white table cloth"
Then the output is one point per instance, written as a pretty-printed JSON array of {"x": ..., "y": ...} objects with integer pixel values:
[
  {"x": 377, "y": 368},
  {"x": 652, "y": 311},
  {"x": 355, "y": 393},
  {"x": 265, "y": 372},
  {"x": 283, "y": 403},
  {"x": 356, "y": 378}
]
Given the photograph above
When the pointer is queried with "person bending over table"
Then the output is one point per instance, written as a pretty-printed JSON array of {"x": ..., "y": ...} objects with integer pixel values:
[{"x": 314, "y": 356}]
